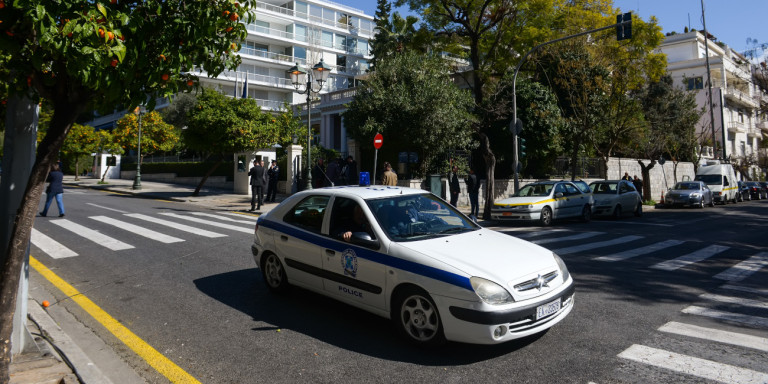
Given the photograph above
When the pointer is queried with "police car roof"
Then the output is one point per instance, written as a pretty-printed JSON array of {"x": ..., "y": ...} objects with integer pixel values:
[{"x": 367, "y": 192}]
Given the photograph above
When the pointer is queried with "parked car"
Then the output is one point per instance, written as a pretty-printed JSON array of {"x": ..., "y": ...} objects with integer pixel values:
[
  {"x": 691, "y": 193},
  {"x": 615, "y": 197},
  {"x": 755, "y": 190},
  {"x": 764, "y": 185},
  {"x": 545, "y": 201},
  {"x": 407, "y": 255},
  {"x": 721, "y": 180},
  {"x": 744, "y": 191}
]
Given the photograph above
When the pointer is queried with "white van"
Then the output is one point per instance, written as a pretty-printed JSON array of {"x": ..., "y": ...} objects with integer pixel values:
[{"x": 721, "y": 179}]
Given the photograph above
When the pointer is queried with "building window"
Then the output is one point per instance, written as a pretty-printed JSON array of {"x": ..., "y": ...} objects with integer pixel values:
[
  {"x": 316, "y": 13},
  {"x": 301, "y": 9},
  {"x": 695, "y": 83},
  {"x": 341, "y": 42},
  {"x": 301, "y": 33},
  {"x": 327, "y": 39},
  {"x": 341, "y": 63},
  {"x": 300, "y": 53}
]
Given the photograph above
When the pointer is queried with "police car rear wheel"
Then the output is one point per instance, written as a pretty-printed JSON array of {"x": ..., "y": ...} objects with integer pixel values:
[
  {"x": 417, "y": 318},
  {"x": 274, "y": 273}
]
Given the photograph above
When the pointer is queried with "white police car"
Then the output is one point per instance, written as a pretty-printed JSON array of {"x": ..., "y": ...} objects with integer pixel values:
[{"x": 415, "y": 259}]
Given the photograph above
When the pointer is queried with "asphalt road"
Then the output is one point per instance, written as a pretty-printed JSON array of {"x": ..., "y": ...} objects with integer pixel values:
[{"x": 201, "y": 302}]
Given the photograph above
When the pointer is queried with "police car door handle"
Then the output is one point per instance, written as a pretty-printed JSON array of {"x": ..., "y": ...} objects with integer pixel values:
[
  {"x": 330, "y": 252},
  {"x": 283, "y": 238}
]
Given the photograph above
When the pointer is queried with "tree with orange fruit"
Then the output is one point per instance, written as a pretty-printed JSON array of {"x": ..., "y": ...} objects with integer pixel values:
[
  {"x": 85, "y": 54},
  {"x": 156, "y": 134}
]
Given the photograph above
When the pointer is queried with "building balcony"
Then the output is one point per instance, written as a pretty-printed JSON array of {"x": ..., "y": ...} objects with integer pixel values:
[
  {"x": 736, "y": 127},
  {"x": 762, "y": 125},
  {"x": 754, "y": 133},
  {"x": 270, "y": 81},
  {"x": 282, "y": 11},
  {"x": 740, "y": 97}
]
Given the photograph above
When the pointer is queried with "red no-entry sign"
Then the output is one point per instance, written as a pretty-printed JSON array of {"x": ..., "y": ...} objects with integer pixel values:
[{"x": 378, "y": 140}]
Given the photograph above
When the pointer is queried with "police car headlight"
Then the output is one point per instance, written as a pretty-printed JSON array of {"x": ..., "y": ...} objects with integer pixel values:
[
  {"x": 490, "y": 292},
  {"x": 561, "y": 265}
]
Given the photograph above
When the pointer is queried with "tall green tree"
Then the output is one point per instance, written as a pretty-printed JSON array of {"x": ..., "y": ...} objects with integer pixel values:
[
  {"x": 220, "y": 125},
  {"x": 80, "y": 143},
  {"x": 156, "y": 134},
  {"x": 82, "y": 54},
  {"x": 411, "y": 100}
]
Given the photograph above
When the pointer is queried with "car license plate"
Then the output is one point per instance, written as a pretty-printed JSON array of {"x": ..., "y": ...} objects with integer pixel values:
[{"x": 545, "y": 310}]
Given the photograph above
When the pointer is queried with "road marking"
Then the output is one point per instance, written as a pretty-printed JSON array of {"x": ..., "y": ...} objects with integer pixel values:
[
  {"x": 248, "y": 216},
  {"x": 690, "y": 365},
  {"x": 754, "y": 321},
  {"x": 213, "y": 223},
  {"x": 735, "y": 300},
  {"x": 220, "y": 217},
  {"x": 600, "y": 244},
  {"x": 579, "y": 236},
  {"x": 162, "y": 364},
  {"x": 639, "y": 251},
  {"x": 93, "y": 235},
  {"x": 530, "y": 234},
  {"x": 720, "y": 336},
  {"x": 733, "y": 287},
  {"x": 641, "y": 223},
  {"x": 107, "y": 208},
  {"x": 180, "y": 227},
  {"x": 694, "y": 257},
  {"x": 747, "y": 267},
  {"x": 138, "y": 230},
  {"x": 50, "y": 246}
]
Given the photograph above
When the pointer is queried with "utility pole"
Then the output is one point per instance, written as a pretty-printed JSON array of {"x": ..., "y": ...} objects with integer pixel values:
[{"x": 709, "y": 85}]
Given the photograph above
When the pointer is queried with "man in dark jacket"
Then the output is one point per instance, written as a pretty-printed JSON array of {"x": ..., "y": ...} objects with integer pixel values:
[
  {"x": 453, "y": 185},
  {"x": 258, "y": 181},
  {"x": 55, "y": 189},
  {"x": 349, "y": 172},
  {"x": 272, "y": 174},
  {"x": 473, "y": 189}
]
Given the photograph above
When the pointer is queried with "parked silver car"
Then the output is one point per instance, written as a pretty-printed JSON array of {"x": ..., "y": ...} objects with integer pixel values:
[
  {"x": 692, "y": 193},
  {"x": 615, "y": 197}
]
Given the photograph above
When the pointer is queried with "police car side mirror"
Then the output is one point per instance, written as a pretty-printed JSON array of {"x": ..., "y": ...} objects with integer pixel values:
[{"x": 364, "y": 239}]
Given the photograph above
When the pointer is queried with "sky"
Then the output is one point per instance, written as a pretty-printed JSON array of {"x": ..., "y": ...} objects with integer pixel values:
[{"x": 731, "y": 21}]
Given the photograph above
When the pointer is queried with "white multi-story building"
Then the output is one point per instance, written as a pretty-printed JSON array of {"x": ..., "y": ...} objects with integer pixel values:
[
  {"x": 736, "y": 98},
  {"x": 283, "y": 34}
]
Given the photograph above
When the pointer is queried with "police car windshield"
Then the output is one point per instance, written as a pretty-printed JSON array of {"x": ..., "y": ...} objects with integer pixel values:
[{"x": 418, "y": 217}]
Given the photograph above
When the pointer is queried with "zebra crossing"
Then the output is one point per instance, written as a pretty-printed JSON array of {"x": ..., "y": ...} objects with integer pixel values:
[
  {"x": 170, "y": 224},
  {"x": 719, "y": 338},
  {"x": 634, "y": 246},
  {"x": 750, "y": 349}
]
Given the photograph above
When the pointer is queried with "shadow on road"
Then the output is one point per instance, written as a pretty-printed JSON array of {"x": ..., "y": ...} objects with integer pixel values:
[{"x": 337, "y": 323}]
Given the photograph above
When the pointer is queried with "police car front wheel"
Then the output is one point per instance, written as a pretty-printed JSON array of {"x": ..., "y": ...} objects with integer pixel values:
[{"x": 417, "y": 318}]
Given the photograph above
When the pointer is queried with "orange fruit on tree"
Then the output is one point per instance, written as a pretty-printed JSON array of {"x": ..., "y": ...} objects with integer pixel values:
[
  {"x": 113, "y": 63},
  {"x": 165, "y": 77},
  {"x": 229, "y": 29},
  {"x": 161, "y": 57},
  {"x": 225, "y": 13},
  {"x": 233, "y": 46},
  {"x": 110, "y": 35},
  {"x": 113, "y": 1},
  {"x": 101, "y": 33},
  {"x": 190, "y": 83},
  {"x": 233, "y": 16}
]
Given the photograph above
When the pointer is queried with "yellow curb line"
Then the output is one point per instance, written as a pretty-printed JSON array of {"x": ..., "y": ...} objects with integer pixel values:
[{"x": 162, "y": 364}]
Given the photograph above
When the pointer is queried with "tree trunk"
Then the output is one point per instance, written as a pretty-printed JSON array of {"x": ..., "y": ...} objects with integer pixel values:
[
  {"x": 646, "y": 172},
  {"x": 207, "y": 174},
  {"x": 103, "y": 176},
  {"x": 77, "y": 168},
  {"x": 490, "y": 168},
  {"x": 65, "y": 113}
]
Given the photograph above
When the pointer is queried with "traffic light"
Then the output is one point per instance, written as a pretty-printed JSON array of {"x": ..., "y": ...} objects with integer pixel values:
[
  {"x": 624, "y": 26},
  {"x": 520, "y": 147}
]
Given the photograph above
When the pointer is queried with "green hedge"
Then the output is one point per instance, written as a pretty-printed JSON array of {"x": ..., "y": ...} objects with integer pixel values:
[{"x": 185, "y": 169}]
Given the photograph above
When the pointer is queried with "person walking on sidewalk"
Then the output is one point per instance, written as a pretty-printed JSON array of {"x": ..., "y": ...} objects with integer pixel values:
[
  {"x": 388, "y": 177},
  {"x": 272, "y": 175},
  {"x": 453, "y": 185},
  {"x": 257, "y": 185},
  {"x": 473, "y": 189},
  {"x": 55, "y": 189}
]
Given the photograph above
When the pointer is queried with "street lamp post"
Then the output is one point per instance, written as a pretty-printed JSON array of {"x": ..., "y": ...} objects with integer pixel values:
[
  {"x": 300, "y": 77},
  {"x": 137, "y": 178}
]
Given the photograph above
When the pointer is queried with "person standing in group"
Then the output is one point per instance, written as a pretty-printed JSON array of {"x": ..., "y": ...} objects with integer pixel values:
[
  {"x": 333, "y": 172},
  {"x": 272, "y": 174},
  {"x": 473, "y": 189},
  {"x": 639, "y": 186},
  {"x": 627, "y": 177},
  {"x": 257, "y": 185},
  {"x": 349, "y": 171},
  {"x": 453, "y": 185},
  {"x": 388, "y": 177},
  {"x": 55, "y": 189},
  {"x": 318, "y": 174}
]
